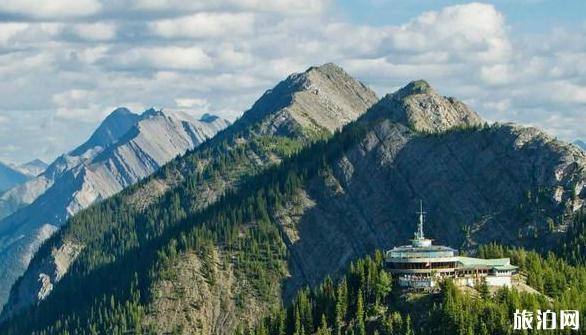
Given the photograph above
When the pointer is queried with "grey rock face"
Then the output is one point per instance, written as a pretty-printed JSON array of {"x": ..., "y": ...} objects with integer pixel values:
[
  {"x": 418, "y": 106},
  {"x": 479, "y": 184},
  {"x": 321, "y": 99},
  {"x": 123, "y": 150}
]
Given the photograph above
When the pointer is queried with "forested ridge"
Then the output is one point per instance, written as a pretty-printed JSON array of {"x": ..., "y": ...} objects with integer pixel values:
[{"x": 364, "y": 301}]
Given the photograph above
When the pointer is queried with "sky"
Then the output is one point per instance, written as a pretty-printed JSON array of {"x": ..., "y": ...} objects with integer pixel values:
[{"x": 64, "y": 65}]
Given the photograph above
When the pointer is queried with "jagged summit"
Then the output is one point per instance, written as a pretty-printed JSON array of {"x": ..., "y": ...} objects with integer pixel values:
[
  {"x": 121, "y": 111},
  {"x": 321, "y": 99},
  {"x": 326, "y": 68},
  {"x": 415, "y": 87},
  {"x": 151, "y": 112},
  {"x": 418, "y": 106},
  {"x": 115, "y": 125}
]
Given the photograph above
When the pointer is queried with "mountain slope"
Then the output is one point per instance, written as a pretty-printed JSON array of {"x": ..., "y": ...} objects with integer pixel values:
[
  {"x": 580, "y": 144},
  {"x": 277, "y": 125},
  {"x": 110, "y": 130},
  {"x": 293, "y": 225},
  {"x": 10, "y": 177},
  {"x": 124, "y": 149}
]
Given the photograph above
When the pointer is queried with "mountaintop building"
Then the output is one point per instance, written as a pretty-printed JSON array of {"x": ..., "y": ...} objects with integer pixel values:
[{"x": 422, "y": 264}]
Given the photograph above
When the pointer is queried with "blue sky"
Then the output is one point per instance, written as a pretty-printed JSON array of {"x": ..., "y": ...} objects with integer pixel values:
[
  {"x": 65, "y": 65},
  {"x": 522, "y": 15}
]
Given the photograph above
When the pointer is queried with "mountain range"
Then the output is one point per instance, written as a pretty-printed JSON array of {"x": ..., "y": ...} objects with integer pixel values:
[
  {"x": 124, "y": 149},
  {"x": 317, "y": 173},
  {"x": 581, "y": 144}
]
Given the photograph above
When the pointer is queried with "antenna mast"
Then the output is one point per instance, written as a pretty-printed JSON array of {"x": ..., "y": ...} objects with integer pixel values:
[{"x": 421, "y": 213}]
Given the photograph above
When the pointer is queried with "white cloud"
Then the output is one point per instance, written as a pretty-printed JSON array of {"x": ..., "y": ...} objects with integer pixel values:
[
  {"x": 77, "y": 104},
  {"x": 100, "y": 31},
  {"x": 472, "y": 32},
  {"x": 162, "y": 58},
  {"x": 290, "y": 7},
  {"x": 50, "y": 9},
  {"x": 9, "y": 30},
  {"x": 192, "y": 103},
  {"x": 205, "y": 25}
]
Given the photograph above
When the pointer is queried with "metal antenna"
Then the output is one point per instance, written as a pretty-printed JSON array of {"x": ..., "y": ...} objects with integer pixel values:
[{"x": 421, "y": 219}]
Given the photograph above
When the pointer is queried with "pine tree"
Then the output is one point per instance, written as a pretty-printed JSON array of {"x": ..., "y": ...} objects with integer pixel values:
[
  {"x": 360, "y": 326},
  {"x": 323, "y": 328}
]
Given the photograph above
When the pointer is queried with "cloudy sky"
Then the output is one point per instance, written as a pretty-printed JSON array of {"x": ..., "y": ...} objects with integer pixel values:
[{"x": 65, "y": 64}]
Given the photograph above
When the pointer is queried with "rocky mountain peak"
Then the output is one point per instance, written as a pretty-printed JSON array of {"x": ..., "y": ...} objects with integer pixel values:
[
  {"x": 114, "y": 126},
  {"x": 327, "y": 69},
  {"x": 416, "y": 87},
  {"x": 419, "y": 106},
  {"x": 152, "y": 112},
  {"x": 321, "y": 99}
]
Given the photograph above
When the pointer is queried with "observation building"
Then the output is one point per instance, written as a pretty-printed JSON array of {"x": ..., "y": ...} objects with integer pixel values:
[{"x": 422, "y": 264}]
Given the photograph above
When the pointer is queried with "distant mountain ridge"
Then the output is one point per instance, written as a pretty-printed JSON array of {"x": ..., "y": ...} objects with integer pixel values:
[
  {"x": 125, "y": 148},
  {"x": 10, "y": 176},
  {"x": 33, "y": 168},
  {"x": 580, "y": 144}
]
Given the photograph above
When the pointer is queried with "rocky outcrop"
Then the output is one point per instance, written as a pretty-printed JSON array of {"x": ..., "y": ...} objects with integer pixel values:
[
  {"x": 419, "y": 107},
  {"x": 123, "y": 150},
  {"x": 301, "y": 108},
  {"x": 49, "y": 272}
]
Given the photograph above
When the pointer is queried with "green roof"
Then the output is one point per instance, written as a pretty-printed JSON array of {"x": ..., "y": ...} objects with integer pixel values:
[
  {"x": 498, "y": 263},
  {"x": 506, "y": 267}
]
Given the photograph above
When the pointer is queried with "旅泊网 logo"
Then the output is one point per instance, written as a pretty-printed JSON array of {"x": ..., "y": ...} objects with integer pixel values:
[{"x": 546, "y": 320}]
